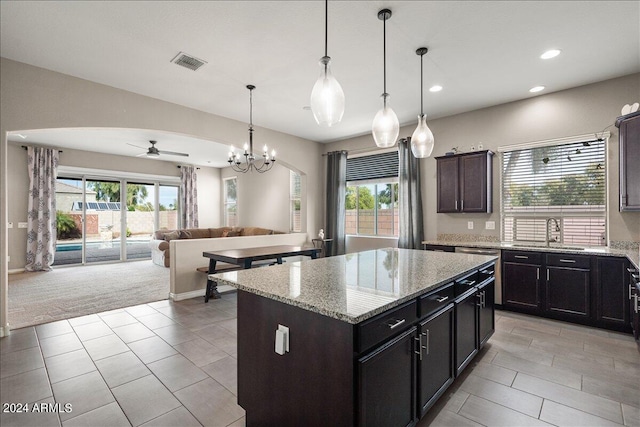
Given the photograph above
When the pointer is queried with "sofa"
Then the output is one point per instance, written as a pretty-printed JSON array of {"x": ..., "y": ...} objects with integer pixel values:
[{"x": 161, "y": 249}]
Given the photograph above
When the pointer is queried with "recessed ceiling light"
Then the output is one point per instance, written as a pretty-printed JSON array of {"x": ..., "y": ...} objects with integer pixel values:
[
  {"x": 550, "y": 54},
  {"x": 536, "y": 89},
  {"x": 435, "y": 88}
]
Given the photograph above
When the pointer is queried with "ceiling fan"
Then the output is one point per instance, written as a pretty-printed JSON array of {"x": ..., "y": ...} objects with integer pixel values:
[{"x": 154, "y": 152}]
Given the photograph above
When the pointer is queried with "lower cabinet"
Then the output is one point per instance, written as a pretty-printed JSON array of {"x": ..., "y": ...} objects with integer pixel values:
[
  {"x": 466, "y": 329},
  {"x": 486, "y": 311},
  {"x": 586, "y": 289},
  {"x": 386, "y": 375},
  {"x": 435, "y": 358}
]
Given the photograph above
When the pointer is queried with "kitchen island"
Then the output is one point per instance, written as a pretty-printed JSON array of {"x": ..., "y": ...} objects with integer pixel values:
[{"x": 370, "y": 338}]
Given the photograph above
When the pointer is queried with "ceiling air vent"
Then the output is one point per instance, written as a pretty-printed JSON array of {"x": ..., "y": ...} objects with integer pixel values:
[{"x": 188, "y": 61}]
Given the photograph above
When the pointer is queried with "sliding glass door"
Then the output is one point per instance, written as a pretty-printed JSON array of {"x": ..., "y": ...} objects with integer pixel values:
[{"x": 107, "y": 220}]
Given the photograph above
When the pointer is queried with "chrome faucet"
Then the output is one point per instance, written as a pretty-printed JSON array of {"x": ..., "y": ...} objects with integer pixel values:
[{"x": 548, "y": 239}]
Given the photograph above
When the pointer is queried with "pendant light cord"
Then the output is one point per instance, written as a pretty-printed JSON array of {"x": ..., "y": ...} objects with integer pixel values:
[
  {"x": 421, "y": 83},
  {"x": 326, "y": 26},
  {"x": 384, "y": 57}
]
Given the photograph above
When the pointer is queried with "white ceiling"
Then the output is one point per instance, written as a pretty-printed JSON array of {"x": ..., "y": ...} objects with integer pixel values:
[{"x": 483, "y": 53}]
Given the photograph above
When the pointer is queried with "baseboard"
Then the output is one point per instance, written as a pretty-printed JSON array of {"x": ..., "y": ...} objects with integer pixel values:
[
  {"x": 5, "y": 331},
  {"x": 16, "y": 271},
  {"x": 199, "y": 293}
]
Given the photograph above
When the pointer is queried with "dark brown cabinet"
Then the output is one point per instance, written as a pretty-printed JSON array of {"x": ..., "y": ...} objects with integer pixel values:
[
  {"x": 629, "y": 137},
  {"x": 612, "y": 292},
  {"x": 634, "y": 308},
  {"x": 466, "y": 336},
  {"x": 521, "y": 281},
  {"x": 464, "y": 182},
  {"x": 435, "y": 358},
  {"x": 387, "y": 375},
  {"x": 486, "y": 310},
  {"x": 586, "y": 289}
]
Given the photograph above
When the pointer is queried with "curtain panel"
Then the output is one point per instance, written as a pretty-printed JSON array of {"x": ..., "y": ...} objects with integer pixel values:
[
  {"x": 189, "y": 196},
  {"x": 411, "y": 230},
  {"x": 336, "y": 193},
  {"x": 41, "y": 213}
]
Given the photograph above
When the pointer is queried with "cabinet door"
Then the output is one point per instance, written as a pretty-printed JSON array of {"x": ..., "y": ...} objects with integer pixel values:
[
  {"x": 568, "y": 293},
  {"x": 386, "y": 389},
  {"x": 447, "y": 177},
  {"x": 466, "y": 336},
  {"x": 486, "y": 312},
  {"x": 635, "y": 316},
  {"x": 435, "y": 365},
  {"x": 473, "y": 183},
  {"x": 521, "y": 286},
  {"x": 612, "y": 292},
  {"x": 630, "y": 164}
]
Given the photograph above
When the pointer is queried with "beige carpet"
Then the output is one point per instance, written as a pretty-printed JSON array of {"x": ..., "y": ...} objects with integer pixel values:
[{"x": 67, "y": 292}]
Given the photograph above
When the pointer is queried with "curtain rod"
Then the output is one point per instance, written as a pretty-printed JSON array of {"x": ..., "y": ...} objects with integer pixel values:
[
  {"x": 25, "y": 147},
  {"x": 180, "y": 166}
]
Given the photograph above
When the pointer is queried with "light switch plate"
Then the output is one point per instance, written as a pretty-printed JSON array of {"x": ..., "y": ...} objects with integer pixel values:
[
  {"x": 9, "y": 225},
  {"x": 470, "y": 225},
  {"x": 490, "y": 225},
  {"x": 22, "y": 225}
]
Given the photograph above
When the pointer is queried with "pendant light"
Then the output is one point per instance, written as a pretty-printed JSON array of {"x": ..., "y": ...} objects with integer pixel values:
[
  {"x": 327, "y": 97},
  {"x": 385, "y": 127},
  {"x": 422, "y": 138}
]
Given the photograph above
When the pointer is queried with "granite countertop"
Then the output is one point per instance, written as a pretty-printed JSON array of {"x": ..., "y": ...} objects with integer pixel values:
[
  {"x": 632, "y": 255},
  {"x": 354, "y": 287}
]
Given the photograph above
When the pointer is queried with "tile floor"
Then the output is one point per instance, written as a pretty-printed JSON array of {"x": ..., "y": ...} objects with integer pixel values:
[{"x": 173, "y": 364}]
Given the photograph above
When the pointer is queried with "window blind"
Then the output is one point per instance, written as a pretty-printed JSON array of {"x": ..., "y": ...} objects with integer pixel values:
[
  {"x": 566, "y": 182},
  {"x": 382, "y": 165}
]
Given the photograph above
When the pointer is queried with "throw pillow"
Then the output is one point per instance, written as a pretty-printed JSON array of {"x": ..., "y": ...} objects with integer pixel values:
[
  {"x": 172, "y": 236},
  {"x": 233, "y": 233},
  {"x": 225, "y": 233},
  {"x": 185, "y": 234}
]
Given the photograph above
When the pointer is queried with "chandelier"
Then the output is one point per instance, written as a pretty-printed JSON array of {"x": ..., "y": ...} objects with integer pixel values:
[{"x": 251, "y": 163}]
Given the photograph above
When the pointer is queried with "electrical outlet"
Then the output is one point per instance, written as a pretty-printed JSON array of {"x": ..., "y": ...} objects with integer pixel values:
[
  {"x": 480, "y": 146},
  {"x": 490, "y": 225},
  {"x": 22, "y": 225},
  {"x": 9, "y": 225},
  {"x": 473, "y": 148},
  {"x": 470, "y": 225}
]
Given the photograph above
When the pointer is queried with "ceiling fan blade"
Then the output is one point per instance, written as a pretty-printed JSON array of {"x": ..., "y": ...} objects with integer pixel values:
[
  {"x": 137, "y": 146},
  {"x": 173, "y": 153}
]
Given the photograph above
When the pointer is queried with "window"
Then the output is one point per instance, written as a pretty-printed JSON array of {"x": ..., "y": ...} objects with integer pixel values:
[
  {"x": 566, "y": 182},
  {"x": 295, "y": 200},
  {"x": 371, "y": 203},
  {"x": 230, "y": 201}
]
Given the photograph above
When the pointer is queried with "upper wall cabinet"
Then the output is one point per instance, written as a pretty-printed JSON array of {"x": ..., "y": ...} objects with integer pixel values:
[
  {"x": 465, "y": 182},
  {"x": 629, "y": 126}
]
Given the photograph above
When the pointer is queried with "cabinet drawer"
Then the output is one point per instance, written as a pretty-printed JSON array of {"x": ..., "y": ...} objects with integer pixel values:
[
  {"x": 433, "y": 302},
  {"x": 465, "y": 283},
  {"x": 486, "y": 272},
  {"x": 440, "y": 248},
  {"x": 387, "y": 324},
  {"x": 568, "y": 260},
  {"x": 523, "y": 257}
]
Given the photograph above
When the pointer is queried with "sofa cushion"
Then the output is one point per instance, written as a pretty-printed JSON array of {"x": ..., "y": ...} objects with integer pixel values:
[
  {"x": 159, "y": 234},
  {"x": 231, "y": 233},
  {"x": 186, "y": 234},
  {"x": 217, "y": 232},
  {"x": 255, "y": 231},
  {"x": 172, "y": 235},
  {"x": 199, "y": 233}
]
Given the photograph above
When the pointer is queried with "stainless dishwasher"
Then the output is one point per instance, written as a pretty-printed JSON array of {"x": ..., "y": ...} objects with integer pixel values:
[{"x": 493, "y": 252}]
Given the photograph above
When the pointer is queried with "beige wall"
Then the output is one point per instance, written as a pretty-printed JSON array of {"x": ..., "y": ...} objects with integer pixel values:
[
  {"x": 34, "y": 98},
  {"x": 582, "y": 110}
]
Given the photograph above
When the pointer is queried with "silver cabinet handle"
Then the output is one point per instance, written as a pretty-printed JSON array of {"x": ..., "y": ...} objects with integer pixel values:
[
  {"x": 427, "y": 347},
  {"x": 486, "y": 272},
  {"x": 479, "y": 296},
  {"x": 395, "y": 324},
  {"x": 462, "y": 205},
  {"x": 419, "y": 351},
  {"x": 468, "y": 282},
  {"x": 537, "y": 273},
  {"x": 456, "y": 205},
  {"x": 521, "y": 257},
  {"x": 443, "y": 299},
  {"x": 547, "y": 274},
  {"x": 568, "y": 260},
  {"x": 635, "y": 303}
]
